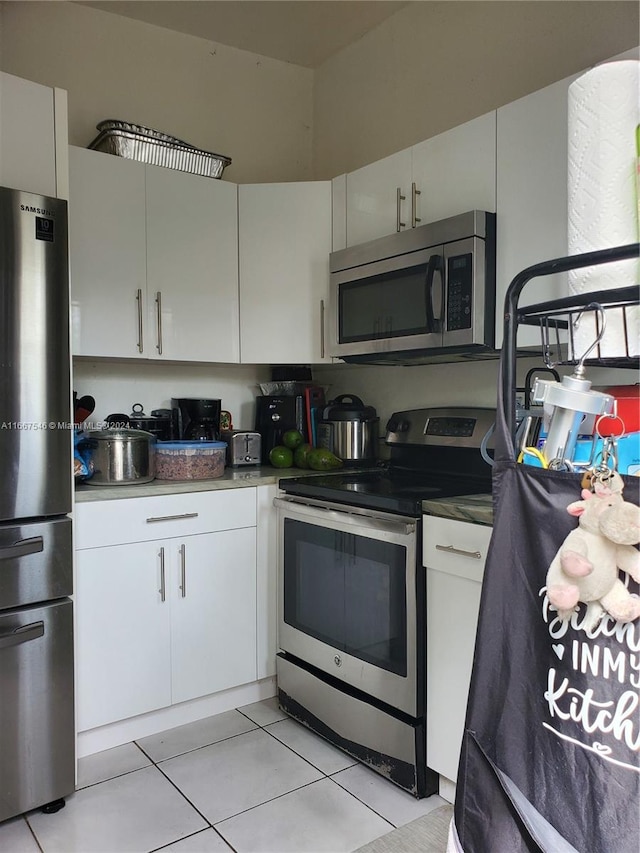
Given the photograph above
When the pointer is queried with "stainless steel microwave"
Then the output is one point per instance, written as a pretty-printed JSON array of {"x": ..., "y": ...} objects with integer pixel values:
[{"x": 417, "y": 295}]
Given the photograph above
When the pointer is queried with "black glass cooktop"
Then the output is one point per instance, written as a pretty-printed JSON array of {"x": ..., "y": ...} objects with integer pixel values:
[{"x": 391, "y": 490}]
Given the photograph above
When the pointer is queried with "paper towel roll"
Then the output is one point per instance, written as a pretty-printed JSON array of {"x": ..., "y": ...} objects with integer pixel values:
[{"x": 603, "y": 114}]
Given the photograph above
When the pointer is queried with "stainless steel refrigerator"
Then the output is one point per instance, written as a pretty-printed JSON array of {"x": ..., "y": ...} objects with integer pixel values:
[{"x": 37, "y": 737}]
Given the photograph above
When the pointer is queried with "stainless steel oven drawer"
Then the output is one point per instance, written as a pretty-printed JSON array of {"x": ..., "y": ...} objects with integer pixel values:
[{"x": 385, "y": 743}]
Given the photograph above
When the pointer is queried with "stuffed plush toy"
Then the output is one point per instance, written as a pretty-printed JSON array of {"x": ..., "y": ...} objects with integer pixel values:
[{"x": 586, "y": 566}]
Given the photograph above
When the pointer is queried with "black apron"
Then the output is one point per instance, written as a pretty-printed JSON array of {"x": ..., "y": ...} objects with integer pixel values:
[{"x": 550, "y": 753}]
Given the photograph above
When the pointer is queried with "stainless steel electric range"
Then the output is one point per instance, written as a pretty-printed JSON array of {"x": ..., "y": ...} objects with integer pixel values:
[{"x": 352, "y": 588}]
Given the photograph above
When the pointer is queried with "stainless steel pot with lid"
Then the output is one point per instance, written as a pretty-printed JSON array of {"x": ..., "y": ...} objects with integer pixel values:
[
  {"x": 349, "y": 429},
  {"x": 120, "y": 456}
]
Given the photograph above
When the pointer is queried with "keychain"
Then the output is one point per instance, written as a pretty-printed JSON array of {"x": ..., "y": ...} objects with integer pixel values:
[{"x": 604, "y": 477}]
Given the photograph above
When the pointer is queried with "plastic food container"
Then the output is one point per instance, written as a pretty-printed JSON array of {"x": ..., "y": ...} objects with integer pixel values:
[{"x": 190, "y": 460}]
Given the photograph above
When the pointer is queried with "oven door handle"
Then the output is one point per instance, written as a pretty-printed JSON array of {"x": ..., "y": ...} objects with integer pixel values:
[{"x": 356, "y": 516}]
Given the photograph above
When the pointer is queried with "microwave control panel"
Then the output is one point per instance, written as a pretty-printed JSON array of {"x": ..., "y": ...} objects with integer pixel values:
[{"x": 459, "y": 292}]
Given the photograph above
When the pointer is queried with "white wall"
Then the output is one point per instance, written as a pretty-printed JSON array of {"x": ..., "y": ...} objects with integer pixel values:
[
  {"x": 430, "y": 66},
  {"x": 116, "y": 386},
  {"x": 435, "y": 65},
  {"x": 393, "y": 388},
  {"x": 256, "y": 110}
]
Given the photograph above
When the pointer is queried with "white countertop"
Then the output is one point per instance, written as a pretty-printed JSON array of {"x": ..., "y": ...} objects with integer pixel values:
[
  {"x": 233, "y": 478},
  {"x": 478, "y": 509}
]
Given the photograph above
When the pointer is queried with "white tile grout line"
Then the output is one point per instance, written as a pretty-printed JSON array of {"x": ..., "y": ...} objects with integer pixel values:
[{"x": 263, "y": 728}]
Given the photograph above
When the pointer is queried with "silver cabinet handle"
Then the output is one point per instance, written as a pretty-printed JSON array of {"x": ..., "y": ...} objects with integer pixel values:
[
  {"x": 322, "y": 328},
  {"x": 183, "y": 570},
  {"x": 21, "y": 635},
  {"x": 163, "y": 587},
  {"x": 399, "y": 198},
  {"x": 159, "y": 318},
  {"x": 22, "y": 548},
  {"x": 414, "y": 219},
  {"x": 451, "y": 550},
  {"x": 153, "y": 519},
  {"x": 139, "y": 307}
]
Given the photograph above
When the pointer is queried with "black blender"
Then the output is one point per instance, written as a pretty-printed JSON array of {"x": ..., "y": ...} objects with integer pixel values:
[{"x": 196, "y": 419}]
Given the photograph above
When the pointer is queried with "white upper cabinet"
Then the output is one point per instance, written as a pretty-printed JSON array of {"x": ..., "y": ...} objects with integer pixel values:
[
  {"x": 285, "y": 241},
  {"x": 339, "y": 213},
  {"x": 455, "y": 171},
  {"x": 153, "y": 262},
  {"x": 441, "y": 177},
  {"x": 531, "y": 222},
  {"x": 108, "y": 263},
  {"x": 192, "y": 263},
  {"x": 33, "y": 137},
  {"x": 377, "y": 200}
]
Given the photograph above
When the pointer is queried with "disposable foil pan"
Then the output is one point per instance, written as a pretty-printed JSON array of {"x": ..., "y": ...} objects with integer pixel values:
[{"x": 135, "y": 142}]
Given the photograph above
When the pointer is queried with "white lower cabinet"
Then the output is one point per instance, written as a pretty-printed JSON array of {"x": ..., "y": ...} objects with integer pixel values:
[
  {"x": 212, "y": 579},
  {"x": 166, "y": 620},
  {"x": 123, "y": 649},
  {"x": 454, "y": 554}
]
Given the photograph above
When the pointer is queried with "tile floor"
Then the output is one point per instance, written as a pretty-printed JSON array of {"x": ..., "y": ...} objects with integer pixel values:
[{"x": 249, "y": 780}]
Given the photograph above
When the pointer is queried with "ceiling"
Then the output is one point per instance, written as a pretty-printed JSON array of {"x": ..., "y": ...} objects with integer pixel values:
[{"x": 304, "y": 32}]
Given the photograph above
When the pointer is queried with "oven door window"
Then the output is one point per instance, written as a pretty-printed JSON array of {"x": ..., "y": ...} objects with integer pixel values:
[{"x": 348, "y": 591}]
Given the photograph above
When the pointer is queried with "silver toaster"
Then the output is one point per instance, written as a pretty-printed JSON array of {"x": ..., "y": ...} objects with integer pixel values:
[{"x": 243, "y": 447}]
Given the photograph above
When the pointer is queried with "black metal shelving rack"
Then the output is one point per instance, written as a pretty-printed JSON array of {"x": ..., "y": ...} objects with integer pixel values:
[{"x": 560, "y": 314}]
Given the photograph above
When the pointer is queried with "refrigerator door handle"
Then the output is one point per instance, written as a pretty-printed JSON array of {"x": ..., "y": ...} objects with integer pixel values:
[
  {"x": 21, "y": 635},
  {"x": 22, "y": 548}
]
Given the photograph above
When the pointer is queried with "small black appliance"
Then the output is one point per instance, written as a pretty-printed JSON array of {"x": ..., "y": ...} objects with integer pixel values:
[
  {"x": 196, "y": 419},
  {"x": 158, "y": 423},
  {"x": 274, "y": 416}
]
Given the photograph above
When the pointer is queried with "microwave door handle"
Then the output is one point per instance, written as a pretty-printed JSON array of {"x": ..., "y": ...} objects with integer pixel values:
[{"x": 436, "y": 264}]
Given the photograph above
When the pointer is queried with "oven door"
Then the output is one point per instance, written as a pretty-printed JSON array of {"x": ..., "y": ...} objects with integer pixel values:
[{"x": 347, "y": 587}]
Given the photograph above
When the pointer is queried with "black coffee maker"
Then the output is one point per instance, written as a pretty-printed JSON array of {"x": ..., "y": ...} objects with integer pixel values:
[
  {"x": 196, "y": 420},
  {"x": 274, "y": 416}
]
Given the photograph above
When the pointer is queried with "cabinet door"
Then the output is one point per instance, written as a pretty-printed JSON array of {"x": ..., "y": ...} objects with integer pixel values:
[
  {"x": 531, "y": 196},
  {"x": 372, "y": 200},
  {"x": 107, "y": 255},
  {"x": 122, "y": 633},
  {"x": 27, "y": 136},
  {"x": 192, "y": 261},
  {"x": 213, "y": 632},
  {"x": 285, "y": 241},
  {"x": 454, "y": 583},
  {"x": 455, "y": 171}
]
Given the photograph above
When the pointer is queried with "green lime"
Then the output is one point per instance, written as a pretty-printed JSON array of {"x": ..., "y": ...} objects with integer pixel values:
[
  {"x": 281, "y": 457},
  {"x": 300, "y": 456},
  {"x": 292, "y": 439}
]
